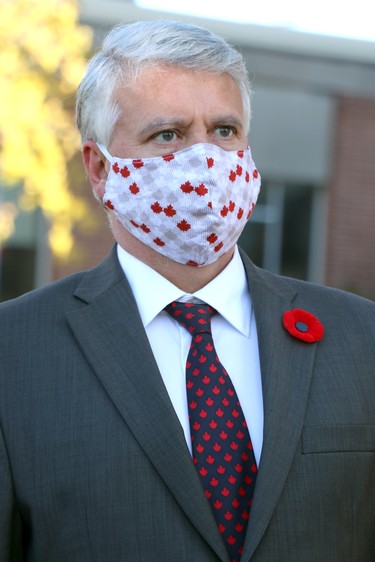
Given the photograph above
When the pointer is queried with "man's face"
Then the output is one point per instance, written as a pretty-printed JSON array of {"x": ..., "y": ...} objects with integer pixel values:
[{"x": 169, "y": 109}]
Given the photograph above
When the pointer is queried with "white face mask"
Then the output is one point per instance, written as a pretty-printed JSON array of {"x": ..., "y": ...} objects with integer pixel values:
[{"x": 190, "y": 206}]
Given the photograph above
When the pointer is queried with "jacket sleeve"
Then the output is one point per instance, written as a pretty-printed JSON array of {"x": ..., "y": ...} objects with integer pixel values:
[{"x": 11, "y": 535}]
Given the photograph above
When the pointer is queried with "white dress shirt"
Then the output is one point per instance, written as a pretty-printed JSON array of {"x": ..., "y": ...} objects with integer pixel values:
[{"x": 233, "y": 329}]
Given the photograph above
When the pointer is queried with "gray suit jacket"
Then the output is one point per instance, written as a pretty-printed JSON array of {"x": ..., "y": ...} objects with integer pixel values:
[{"x": 93, "y": 462}]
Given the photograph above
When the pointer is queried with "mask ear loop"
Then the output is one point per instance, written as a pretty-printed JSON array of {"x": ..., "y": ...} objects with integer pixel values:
[{"x": 105, "y": 152}]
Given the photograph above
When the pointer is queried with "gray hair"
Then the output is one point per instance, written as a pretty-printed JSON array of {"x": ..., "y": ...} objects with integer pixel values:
[{"x": 129, "y": 49}]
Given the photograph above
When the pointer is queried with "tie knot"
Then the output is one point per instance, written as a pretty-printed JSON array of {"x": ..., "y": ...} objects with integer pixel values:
[{"x": 196, "y": 318}]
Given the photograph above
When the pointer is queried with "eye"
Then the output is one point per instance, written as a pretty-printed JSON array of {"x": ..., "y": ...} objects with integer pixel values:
[
  {"x": 224, "y": 132},
  {"x": 165, "y": 136}
]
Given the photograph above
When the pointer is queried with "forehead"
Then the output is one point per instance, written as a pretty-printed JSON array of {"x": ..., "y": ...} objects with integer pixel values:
[{"x": 174, "y": 88}]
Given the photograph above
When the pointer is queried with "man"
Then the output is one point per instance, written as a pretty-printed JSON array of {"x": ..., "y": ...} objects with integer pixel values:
[{"x": 101, "y": 458}]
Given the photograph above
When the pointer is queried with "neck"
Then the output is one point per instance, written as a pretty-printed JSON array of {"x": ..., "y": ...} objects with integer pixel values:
[{"x": 187, "y": 278}]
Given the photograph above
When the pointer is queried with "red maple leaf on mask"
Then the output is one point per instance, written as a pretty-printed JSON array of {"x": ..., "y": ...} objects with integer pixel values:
[
  {"x": 169, "y": 211},
  {"x": 168, "y": 157},
  {"x": 159, "y": 242},
  {"x": 187, "y": 187},
  {"x": 125, "y": 172},
  {"x": 212, "y": 238},
  {"x": 134, "y": 189},
  {"x": 201, "y": 190},
  {"x": 156, "y": 207},
  {"x": 184, "y": 226}
]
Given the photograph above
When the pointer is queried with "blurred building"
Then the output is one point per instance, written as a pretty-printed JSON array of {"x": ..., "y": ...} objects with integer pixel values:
[{"x": 312, "y": 137}]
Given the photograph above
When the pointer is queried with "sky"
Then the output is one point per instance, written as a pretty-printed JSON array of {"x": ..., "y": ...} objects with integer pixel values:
[{"x": 327, "y": 17}]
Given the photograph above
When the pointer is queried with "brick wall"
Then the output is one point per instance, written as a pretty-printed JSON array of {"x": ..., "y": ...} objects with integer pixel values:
[{"x": 350, "y": 256}]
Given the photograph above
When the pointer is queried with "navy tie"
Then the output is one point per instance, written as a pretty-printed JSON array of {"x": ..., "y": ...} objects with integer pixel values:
[{"x": 221, "y": 444}]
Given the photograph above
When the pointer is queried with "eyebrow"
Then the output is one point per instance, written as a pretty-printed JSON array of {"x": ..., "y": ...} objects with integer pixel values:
[{"x": 161, "y": 123}]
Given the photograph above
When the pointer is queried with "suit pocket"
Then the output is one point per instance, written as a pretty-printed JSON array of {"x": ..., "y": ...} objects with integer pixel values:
[{"x": 338, "y": 439}]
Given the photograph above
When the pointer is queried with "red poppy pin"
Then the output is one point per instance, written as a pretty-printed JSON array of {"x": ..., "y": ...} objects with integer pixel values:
[{"x": 303, "y": 325}]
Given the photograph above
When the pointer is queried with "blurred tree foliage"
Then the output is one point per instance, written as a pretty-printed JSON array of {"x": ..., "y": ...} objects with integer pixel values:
[{"x": 43, "y": 51}]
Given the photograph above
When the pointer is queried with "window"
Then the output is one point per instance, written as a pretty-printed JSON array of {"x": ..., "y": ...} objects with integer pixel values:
[{"x": 281, "y": 235}]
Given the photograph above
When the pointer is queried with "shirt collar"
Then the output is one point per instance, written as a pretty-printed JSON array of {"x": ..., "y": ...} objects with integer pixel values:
[{"x": 228, "y": 292}]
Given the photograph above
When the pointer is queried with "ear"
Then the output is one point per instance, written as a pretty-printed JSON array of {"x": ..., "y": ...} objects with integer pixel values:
[{"x": 96, "y": 166}]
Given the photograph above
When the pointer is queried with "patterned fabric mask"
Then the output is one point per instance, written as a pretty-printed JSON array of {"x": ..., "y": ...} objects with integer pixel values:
[{"x": 190, "y": 206}]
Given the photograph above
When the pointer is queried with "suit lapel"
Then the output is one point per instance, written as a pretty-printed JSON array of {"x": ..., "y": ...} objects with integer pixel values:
[
  {"x": 286, "y": 367},
  {"x": 112, "y": 338}
]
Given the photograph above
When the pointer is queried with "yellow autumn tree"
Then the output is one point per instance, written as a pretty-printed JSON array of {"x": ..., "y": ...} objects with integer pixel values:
[{"x": 43, "y": 51}]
